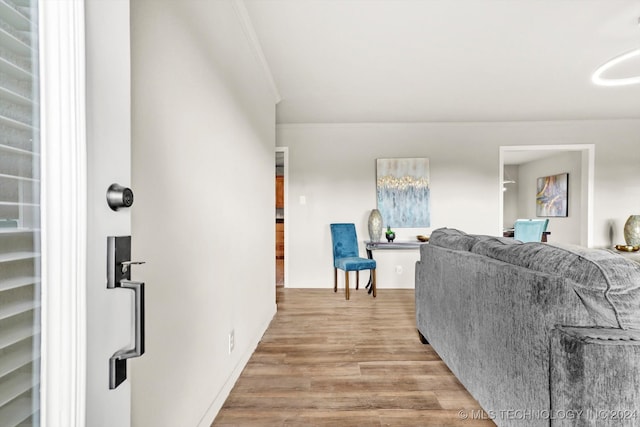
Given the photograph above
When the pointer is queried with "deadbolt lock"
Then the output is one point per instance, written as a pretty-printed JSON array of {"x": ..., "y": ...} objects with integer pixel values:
[{"x": 119, "y": 197}]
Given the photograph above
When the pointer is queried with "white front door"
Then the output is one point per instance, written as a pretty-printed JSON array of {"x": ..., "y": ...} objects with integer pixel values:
[
  {"x": 110, "y": 312},
  {"x": 82, "y": 50}
]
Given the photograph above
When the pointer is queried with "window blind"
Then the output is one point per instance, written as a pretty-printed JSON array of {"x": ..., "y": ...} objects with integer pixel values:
[{"x": 19, "y": 215}]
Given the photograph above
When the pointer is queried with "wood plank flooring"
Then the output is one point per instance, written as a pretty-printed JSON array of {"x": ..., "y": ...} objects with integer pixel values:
[{"x": 325, "y": 361}]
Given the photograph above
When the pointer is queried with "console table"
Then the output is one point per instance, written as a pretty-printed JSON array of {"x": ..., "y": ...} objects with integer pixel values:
[{"x": 374, "y": 246}]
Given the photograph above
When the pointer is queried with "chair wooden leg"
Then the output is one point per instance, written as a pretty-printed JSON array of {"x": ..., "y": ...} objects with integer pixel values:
[
  {"x": 335, "y": 280},
  {"x": 346, "y": 285},
  {"x": 373, "y": 281},
  {"x": 357, "y": 279}
]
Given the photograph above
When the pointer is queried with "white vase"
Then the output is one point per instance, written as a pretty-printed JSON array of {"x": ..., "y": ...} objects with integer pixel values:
[
  {"x": 375, "y": 225},
  {"x": 632, "y": 230}
]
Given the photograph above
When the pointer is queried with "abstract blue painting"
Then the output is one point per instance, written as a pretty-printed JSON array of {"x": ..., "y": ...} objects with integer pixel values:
[{"x": 402, "y": 191}]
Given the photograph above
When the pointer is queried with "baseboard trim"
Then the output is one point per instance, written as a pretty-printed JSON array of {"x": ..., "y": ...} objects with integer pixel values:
[{"x": 215, "y": 406}]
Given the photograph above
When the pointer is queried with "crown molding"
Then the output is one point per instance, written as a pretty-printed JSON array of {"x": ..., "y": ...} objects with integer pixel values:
[
  {"x": 250, "y": 33},
  {"x": 504, "y": 124}
]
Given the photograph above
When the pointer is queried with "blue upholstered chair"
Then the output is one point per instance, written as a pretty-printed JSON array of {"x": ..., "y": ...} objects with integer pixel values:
[
  {"x": 346, "y": 257},
  {"x": 530, "y": 230}
]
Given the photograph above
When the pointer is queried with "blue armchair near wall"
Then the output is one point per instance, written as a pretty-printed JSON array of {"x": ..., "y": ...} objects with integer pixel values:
[
  {"x": 530, "y": 230},
  {"x": 347, "y": 257}
]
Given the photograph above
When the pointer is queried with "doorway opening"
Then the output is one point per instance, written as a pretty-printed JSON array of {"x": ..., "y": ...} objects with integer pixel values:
[
  {"x": 519, "y": 168},
  {"x": 281, "y": 181}
]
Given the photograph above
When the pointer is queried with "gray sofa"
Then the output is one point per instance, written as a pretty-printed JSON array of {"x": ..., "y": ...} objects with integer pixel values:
[{"x": 539, "y": 334}]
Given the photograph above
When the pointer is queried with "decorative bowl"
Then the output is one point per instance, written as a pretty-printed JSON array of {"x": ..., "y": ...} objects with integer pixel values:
[
  {"x": 627, "y": 248},
  {"x": 422, "y": 238}
]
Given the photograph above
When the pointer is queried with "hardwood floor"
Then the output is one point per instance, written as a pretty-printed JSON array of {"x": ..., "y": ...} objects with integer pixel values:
[{"x": 328, "y": 361}]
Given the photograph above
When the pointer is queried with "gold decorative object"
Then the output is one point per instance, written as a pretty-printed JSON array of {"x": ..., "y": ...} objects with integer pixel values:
[
  {"x": 627, "y": 248},
  {"x": 422, "y": 238}
]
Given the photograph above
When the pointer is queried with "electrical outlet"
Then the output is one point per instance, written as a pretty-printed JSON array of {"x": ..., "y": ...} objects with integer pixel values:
[
  {"x": 398, "y": 269},
  {"x": 232, "y": 340}
]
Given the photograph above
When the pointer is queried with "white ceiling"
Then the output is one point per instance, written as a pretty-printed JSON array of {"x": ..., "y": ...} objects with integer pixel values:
[{"x": 446, "y": 60}]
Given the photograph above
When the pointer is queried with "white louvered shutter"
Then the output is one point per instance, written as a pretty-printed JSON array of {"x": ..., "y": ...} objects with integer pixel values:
[{"x": 19, "y": 215}]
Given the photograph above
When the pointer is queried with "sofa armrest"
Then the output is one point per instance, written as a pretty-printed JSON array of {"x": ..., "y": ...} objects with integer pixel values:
[{"x": 594, "y": 376}]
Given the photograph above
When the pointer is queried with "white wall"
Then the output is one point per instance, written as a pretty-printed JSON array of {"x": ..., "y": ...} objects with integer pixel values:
[
  {"x": 203, "y": 219},
  {"x": 334, "y": 167},
  {"x": 563, "y": 229}
]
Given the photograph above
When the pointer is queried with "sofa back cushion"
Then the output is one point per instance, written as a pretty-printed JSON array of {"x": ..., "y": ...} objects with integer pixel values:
[
  {"x": 452, "y": 239},
  {"x": 607, "y": 283},
  {"x": 459, "y": 240}
]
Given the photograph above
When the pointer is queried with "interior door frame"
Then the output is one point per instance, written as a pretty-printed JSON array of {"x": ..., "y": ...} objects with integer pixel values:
[
  {"x": 63, "y": 212},
  {"x": 588, "y": 180},
  {"x": 285, "y": 152}
]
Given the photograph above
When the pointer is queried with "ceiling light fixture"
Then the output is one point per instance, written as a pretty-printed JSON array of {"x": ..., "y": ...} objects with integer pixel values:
[
  {"x": 604, "y": 81},
  {"x": 507, "y": 181},
  {"x": 597, "y": 78}
]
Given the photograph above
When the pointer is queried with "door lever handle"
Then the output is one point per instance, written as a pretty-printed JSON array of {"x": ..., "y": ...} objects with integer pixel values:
[{"x": 126, "y": 264}]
